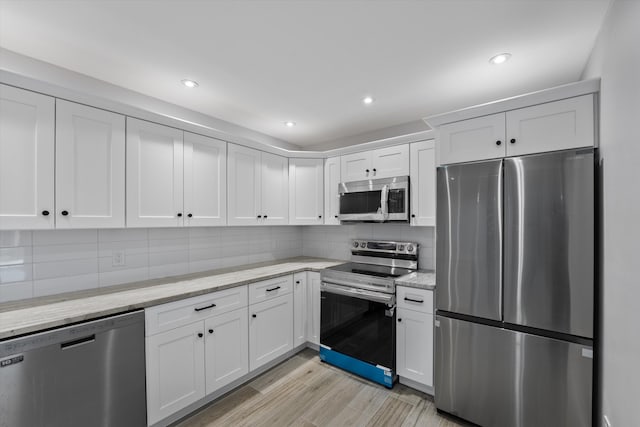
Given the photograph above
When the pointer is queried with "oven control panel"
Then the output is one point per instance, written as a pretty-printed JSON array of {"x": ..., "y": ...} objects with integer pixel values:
[{"x": 390, "y": 247}]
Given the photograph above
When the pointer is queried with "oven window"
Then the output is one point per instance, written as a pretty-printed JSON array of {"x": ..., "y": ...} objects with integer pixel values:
[
  {"x": 360, "y": 202},
  {"x": 358, "y": 328},
  {"x": 396, "y": 200}
]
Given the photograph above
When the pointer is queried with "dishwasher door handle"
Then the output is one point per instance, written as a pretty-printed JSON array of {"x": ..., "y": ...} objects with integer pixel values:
[{"x": 78, "y": 342}]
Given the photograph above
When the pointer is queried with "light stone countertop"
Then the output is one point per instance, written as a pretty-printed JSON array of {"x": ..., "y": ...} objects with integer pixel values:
[
  {"x": 28, "y": 316},
  {"x": 421, "y": 279}
]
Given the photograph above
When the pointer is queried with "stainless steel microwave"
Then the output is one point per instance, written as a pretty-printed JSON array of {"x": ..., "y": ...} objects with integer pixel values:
[{"x": 375, "y": 200}]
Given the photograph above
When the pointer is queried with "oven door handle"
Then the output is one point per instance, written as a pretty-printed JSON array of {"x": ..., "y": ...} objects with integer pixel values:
[{"x": 358, "y": 293}]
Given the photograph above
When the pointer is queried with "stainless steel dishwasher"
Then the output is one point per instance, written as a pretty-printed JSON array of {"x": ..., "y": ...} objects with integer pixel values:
[{"x": 88, "y": 374}]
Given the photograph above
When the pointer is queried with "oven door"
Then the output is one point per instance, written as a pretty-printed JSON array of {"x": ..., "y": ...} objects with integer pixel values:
[
  {"x": 358, "y": 323},
  {"x": 377, "y": 200}
]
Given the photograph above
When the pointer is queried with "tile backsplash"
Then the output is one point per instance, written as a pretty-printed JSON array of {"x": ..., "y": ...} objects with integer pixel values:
[{"x": 38, "y": 263}]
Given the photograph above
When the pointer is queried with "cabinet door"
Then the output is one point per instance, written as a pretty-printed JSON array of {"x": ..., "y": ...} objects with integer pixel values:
[
  {"x": 391, "y": 161},
  {"x": 331, "y": 195},
  {"x": 414, "y": 346},
  {"x": 474, "y": 139},
  {"x": 313, "y": 307},
  {"x": 175, "y": 370},
  {"x": 270, "y": 330},
  {"x": 299, "y": 308},
  {"x": 356, "y": 167},
  {"x": 154, "y": 175},
  {"x": 205, "y": 180},
  {"x": 244, "y": 175},
  {"x": 274, "y": 189},
  {"x": 90, "y": 152},
  {"x": 559, "y": 125},
  {"x": 423, "y": 183},
  {"x": 26, "y": 159},
  {"x": 305, "y": 191},
  {"x": 226, "y": 348}
]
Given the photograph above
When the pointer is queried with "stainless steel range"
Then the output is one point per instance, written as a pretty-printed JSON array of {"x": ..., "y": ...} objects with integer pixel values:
[{"x": 357, "y": 316}]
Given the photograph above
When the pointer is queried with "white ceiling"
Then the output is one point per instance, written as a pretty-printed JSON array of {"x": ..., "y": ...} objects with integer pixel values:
[{"x": 262, "y": 63}]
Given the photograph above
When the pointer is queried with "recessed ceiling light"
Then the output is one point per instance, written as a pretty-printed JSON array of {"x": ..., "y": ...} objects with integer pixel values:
[
  {"x": 500, "y": 58},
  {"x": 367, "y": 100},
  {"x": 190, "y": 83},
  {"x": 289, "y": 124}
]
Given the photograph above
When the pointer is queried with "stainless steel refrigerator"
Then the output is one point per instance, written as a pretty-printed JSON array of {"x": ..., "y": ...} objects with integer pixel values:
[{"x": 515, "y": 290}]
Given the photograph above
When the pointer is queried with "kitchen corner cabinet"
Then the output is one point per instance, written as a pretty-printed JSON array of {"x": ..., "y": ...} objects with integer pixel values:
[
  {"x": 557, "y": 125},
  {"x": 331, "y": 194},
  {"x": 414, "y": 335},
  {"x": 306, "y": 191},
  {"x": 381, "y": 163},
  {"x": 90, "y": 167},
  {"x": 27, "y": 121},
  {"x": 300, "y": 289},
  {"x": 313, "y": 307},
  {"x": 258, "y": 187},
  {"x": 423, "y": 183}
]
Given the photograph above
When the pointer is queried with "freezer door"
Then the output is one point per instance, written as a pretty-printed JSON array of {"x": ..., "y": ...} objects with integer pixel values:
[
  {"x": 549, "y": 242},
  {"x": 469, "y": 239},
  {"x": 502, "y": 378}
]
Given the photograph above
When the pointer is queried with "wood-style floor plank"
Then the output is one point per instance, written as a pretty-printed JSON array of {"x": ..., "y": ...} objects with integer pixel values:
[{"x": 305, "y": 392}]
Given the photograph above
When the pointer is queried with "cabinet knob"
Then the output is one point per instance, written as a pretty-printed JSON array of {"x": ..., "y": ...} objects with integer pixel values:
[
  {"x": 254, "y": 316},
  {"x": 64, "y": 213},
  {"x": 265, "y": 217},
  {"x": 210, "y": 331},
  {"x": 413, "y": 215},
  {"x": 259, "y": 216},
  {"x": 498, "y": 142},
  {"x": 297, "y": 282},
  {"x": 179, "y": 214},
  {"x": 513, "y": 140},
  {"x": 374, "y": 170},
  {"x": 45, "y": 213},
  {"x": 399, "y": 319},
  {"x": 336, "y": 216},
  {"x": 200, "y": 334},
  {"x": 367, "y": 170},
  {"x": 190, "y": 215},
  {"x": 319, "y": 216}
]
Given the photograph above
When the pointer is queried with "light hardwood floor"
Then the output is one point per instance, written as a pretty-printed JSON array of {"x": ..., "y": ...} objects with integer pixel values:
[{"x": 303, "y": 391}]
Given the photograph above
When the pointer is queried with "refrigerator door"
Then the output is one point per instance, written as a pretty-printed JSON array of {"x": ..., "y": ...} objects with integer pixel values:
[
  {"x": 469, "y": 236},
  {"x": 498, "y": 377},
  {"x": 549, "y": 241}
]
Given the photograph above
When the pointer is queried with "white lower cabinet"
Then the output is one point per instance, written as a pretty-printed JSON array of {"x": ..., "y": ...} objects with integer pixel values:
[
  {"x": 414, "y": 335},
  {"x": 299, "y": 308},
  {"x": 313, "y": 307},
  {"x": 270, "y": 330}
]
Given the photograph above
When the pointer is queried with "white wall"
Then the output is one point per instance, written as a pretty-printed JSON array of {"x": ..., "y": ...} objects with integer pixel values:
[
  {"x": 38, "y": 263},
  {"x": 616, "y": 59}
]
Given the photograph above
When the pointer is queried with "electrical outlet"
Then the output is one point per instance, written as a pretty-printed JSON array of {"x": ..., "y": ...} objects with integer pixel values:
[
  {"x": 607, "y": 423},
  {"x": 117, "y": 259}
]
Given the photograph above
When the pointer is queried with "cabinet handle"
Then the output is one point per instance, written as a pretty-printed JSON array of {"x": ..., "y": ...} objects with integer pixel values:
[
  {"x": 273, "y": 289},
  {"x": 45, "y": 213},
  {"x": 64, "y": 213},
  {"x": 189, "y": 215},
  {"x": 413, "y": 215},
  {"x": 420, "y": 301},
  {"x": 367, "y": 170},
  {"x": 254, "y": 316},
  {"x": 297, "y": 282},
  {"x": 399, "y": 319},
  {"x": 210, "y": 331},
  {"x": 513, "y": 140},
  {"x": 179, "y": 214},
  {"x": 336, "y": 216},
  {"x": 374, "y": 170},
  {"x": 498, "y": 142},
  {"x": 259, "y": 216},
  {"x": 200, "y": 334},
  {"x": 205, "y": 307},
  {"x": 319, "y": 216},
  {"x": 265, "y": 217}
]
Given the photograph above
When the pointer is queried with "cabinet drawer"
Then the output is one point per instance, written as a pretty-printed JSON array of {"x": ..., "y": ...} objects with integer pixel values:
[
  {"x": 174, "y": 314},
  {"x": 268, "y": 289},
  {"x": 415, "y": 299}
]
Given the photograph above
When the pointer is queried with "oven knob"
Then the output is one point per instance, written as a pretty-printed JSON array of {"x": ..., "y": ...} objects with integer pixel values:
[
  {"x": 401, "y": 247},
  {"x": 363, "y": 244},
  {"x": 355, "y": 244},
  {"x": 409, "y": 248}
]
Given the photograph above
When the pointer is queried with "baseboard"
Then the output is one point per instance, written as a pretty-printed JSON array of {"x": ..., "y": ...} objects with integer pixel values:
[{"x": 416, "y": 385}]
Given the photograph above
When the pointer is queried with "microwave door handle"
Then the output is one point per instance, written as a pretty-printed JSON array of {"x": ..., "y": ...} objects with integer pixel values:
[{"x": 384, "y": 202}]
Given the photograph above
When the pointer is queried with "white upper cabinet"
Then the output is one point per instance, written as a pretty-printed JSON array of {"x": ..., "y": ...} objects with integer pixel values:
[
  {"x": 258, "y": 187},
  {"x": 90, "y": 167},
  {"x": 205, "y": 181},
  {"x": 558, "y": 125},
  {"x": 423, "y": 183},
  {"x": 331, "y": 195},
  {"x": 275, "y": 189},
  {"x": 390, "y": 161},
  {"x": 381, "y": 163},
  {"x": 26, "y": 159},
  {"x": 154, "y": 175},
  {"x": 357, "y": 166},
  {"x": 475, "y": 139},
  {"x": 305, "y": 191}
]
